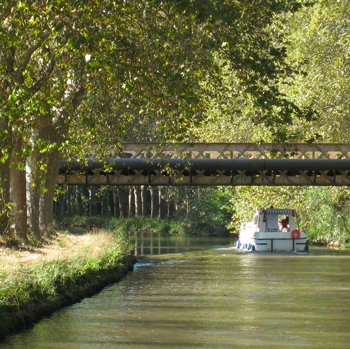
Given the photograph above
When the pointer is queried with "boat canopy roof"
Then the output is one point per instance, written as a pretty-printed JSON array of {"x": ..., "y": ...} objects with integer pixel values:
[{"x": 278, "y": 211}]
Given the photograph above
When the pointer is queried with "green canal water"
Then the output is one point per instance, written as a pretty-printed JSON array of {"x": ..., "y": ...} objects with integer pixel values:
[{"x": 203, "y": 293}]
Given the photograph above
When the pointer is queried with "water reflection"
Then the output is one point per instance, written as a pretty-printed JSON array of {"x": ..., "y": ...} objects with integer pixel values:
[
  {"x": 210, "y": 298},
  {"x": 155, "y": 243}
]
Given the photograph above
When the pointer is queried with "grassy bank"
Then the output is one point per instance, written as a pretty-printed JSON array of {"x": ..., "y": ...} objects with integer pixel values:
[{"x": 34, "y": 282}]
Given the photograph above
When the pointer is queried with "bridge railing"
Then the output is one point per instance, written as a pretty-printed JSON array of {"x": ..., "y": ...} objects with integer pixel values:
[{"x": 236, "y": 150}]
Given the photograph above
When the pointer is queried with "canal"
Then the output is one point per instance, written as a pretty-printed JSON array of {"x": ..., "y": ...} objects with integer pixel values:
[{"x": 203, "y": 293}]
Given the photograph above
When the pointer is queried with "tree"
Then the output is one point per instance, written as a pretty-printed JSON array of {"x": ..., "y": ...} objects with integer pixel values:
[
  {"x": 326, "y": 212},
  {"x": 100, "y": 70},
  {"x": 316, "y": 41},
  {"x": 319, "y": 43},
  {"x": 41, "y": 68}
]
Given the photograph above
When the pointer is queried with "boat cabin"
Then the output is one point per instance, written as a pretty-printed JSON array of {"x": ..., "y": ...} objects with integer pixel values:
[{"x": 271, "y": 220}]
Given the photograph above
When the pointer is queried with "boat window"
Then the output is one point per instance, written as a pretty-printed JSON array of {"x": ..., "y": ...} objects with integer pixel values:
[
  {"x": 284, "y": 222},
  {"x": 272, "y": 222}
]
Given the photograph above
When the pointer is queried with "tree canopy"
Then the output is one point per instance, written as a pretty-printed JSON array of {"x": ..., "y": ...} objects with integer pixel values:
[{"x": 78, "y": 76}]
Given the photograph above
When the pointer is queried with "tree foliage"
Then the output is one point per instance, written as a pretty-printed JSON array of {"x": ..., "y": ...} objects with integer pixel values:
[
  {"x": 327, "y": 212},
  {"x": 319, "y": 43},
  {"x": 78, "y": 76},
  {"x": 316, "y": 39}
]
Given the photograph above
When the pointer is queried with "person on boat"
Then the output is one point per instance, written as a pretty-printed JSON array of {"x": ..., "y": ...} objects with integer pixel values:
[{"x": 285, "y": 224}]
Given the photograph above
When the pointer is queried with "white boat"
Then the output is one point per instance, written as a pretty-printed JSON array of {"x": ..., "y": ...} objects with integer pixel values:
[{"x": 272, "y": 230}]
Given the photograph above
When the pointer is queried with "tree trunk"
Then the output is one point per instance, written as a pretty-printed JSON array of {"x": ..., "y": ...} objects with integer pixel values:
[
  {"x": 18, "y": 190},
  {"x": 154, "y": 202},
  {"x": 162, "y": 206},
  {"x": 69, "y": 201},
  {"x": 90, "y": 201},
  {"x": 123, "y": 209},
  {"x": 187, "y": 203},
  {"x": 94, "y": 209},
  {"x": 4, "y": 194},
  {"x": 62, "y": 200},
  {"x": 110, "y": 201},
  {"x": 138, "y": 201},
  {"x": 33, "y": 193},
  {"x": 53, "y": 162},
  {"x": 116, "y": 212},
  {"x": 146, "y": 201},
  {"x": 170, "y": 204},
  {"x": 4, "y": 199},
  {"x": 80, "y": 209},
  {"x": 131, "y": 202}
]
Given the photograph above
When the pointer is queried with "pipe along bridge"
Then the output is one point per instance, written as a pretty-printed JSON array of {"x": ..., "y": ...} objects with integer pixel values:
[{"x": 214, "y": 164}]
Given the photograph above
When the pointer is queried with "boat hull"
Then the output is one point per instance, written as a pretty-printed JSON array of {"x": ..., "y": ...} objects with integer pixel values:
[
  {"x": 272, "y": 230},
  {"x": 273, "y": 244}
]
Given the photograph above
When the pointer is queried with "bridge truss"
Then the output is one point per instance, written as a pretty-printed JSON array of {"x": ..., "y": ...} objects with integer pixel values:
[{"x": 213, "y": 164}]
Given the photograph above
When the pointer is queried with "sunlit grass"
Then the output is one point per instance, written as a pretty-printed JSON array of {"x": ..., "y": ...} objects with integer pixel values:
[{"x": 27, "y": 273}]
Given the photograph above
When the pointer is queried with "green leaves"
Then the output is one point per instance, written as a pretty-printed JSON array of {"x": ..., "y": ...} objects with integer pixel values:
[{"x": 319, "y": 45}]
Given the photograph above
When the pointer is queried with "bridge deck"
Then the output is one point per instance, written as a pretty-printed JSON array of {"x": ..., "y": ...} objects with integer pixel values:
[{"x": 209, "y": 164}]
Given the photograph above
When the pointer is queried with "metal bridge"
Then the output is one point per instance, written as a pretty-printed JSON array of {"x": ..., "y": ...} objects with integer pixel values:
[{"x": 213, "y": 164}]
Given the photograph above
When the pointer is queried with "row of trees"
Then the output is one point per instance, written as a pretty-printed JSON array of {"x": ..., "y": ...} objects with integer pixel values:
[
  {"x": 76, "y": 73},
  {"x": 198, "y": 209},
  {"x": 323, "y": 212},
  {"x": 119, "y": 202},
  {"x": 76, "y": 77}
]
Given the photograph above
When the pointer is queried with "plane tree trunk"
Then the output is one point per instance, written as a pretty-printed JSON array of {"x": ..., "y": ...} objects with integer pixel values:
[
  {"x": 18, "y": 189},
  {"x": 53, "y": 162},
  {"x": 5, "y": 147},
  {"x": 34, "y": 192}
]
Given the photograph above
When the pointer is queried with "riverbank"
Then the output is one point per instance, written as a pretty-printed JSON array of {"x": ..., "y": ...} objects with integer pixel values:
[{"x": 36, "y": 281}]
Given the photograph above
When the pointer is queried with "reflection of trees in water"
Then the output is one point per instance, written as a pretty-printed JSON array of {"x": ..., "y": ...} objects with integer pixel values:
[{"x": 153, "y": 243}]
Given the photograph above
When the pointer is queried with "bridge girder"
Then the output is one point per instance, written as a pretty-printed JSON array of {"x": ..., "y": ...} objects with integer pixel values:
[{"x": 208, "y": 172}]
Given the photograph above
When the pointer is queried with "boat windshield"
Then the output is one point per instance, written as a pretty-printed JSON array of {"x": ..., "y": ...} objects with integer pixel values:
[{"x": 280, "y": 211}]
